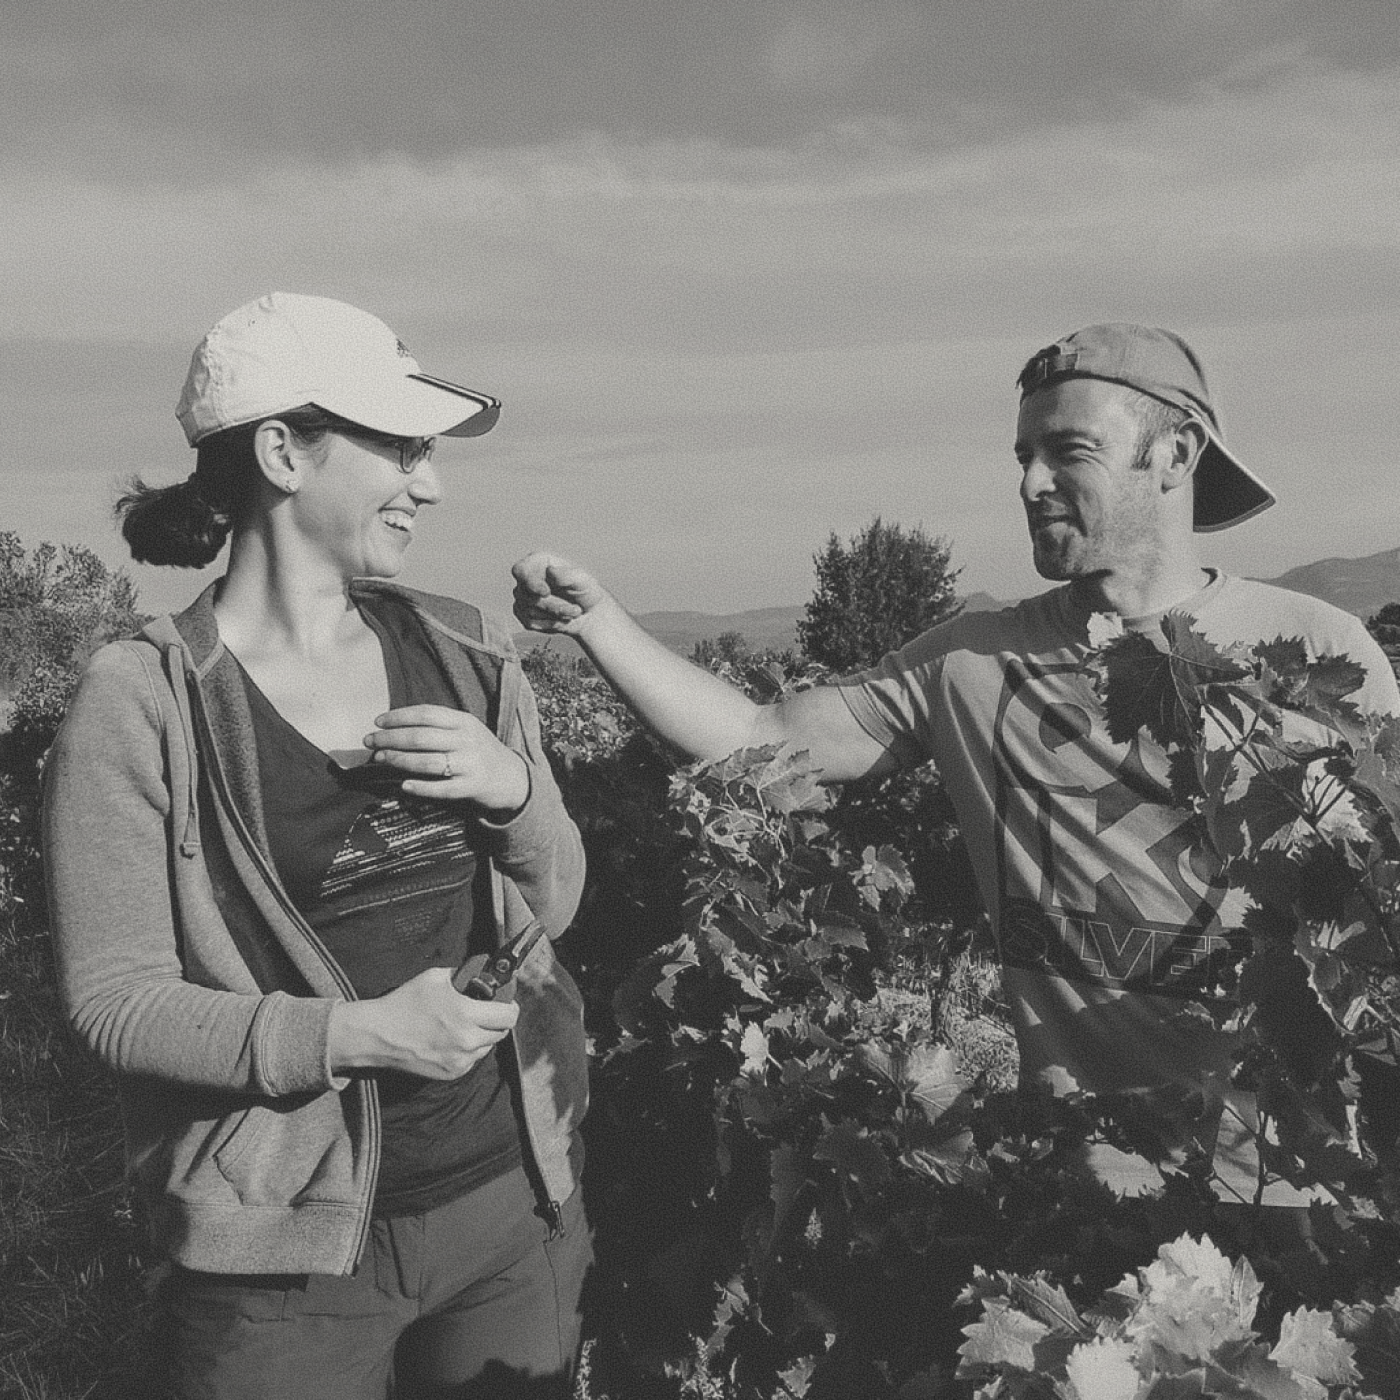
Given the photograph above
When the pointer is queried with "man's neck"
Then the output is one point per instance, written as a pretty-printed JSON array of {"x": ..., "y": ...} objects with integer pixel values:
[{"x": 1140, "y": 594}]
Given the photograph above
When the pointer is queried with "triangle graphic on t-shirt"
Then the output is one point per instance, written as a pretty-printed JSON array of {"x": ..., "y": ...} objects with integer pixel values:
[{"x": 389, "y": 839}]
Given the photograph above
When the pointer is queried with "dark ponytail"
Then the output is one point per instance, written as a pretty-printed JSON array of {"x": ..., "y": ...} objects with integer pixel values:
[
  {"x": 186, "y": 525},
  {"x": 171, "y": 524}
]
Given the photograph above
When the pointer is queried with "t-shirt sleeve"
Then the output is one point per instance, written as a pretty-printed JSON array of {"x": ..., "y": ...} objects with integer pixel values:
[
  {"x": 1347, "y": 636},
  {"x": 895, "y": 701},
  {"x": 1252, "y": 611},
  {"x": 1380, "y": 694}
]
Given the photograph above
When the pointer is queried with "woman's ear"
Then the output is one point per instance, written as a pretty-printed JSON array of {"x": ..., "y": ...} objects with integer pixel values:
[{"x": 280, "y": 460}]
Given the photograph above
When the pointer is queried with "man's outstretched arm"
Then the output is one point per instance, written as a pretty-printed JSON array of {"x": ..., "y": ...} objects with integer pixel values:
[{"x": 688, "y": 707}]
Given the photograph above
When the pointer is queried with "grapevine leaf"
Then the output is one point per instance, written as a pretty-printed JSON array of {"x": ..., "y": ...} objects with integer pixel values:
[
  {"x": 853, "y": 1152},
  {"x": 1197, "y": 663},
  {"x": 1004, "y": 1337},
  {"x": 837, "y": 931},
  {"x": 753, "y": 1046},
  {"x": 983, "y": 1285},
  {"x": 655, "y": 976},
  {"x": 1329, "y": 679},
  {"x": 786, "y": 782},
  {"x": 929, "y": 1074},
  {"x": 732, "y": 1306},
  {"x": 1309, "y": 1343},
  {"x": 950, "y": 1158},
  {"x": 760, "y": 1104},
  {"x": 1195, "y": 1300},
  {"x": 1103, "y": 1370},
  {"x": 1184, "y": 1385},
  {"x": 1184, "y": 778},
  {"x": 1275, "y": 981},
  {"x": 1285, "y": 660},
  {"x": 1375, "y": 1332},
  {"x": 878, "y": 1060},
  {"x": 1385, "y": 740},
  {"x": 743, "y": 926},
  {"x": 1266, "y": 811},
  {"x": 882, "y": 870},
  {"x": 820, "y": 1038},
  {"x": 1134, "y": 679},
  {"x": 1373, "y": 774},
  {"x": 1048, "y": 1303},
  {"x": 798, "y": 1377},
  {"x": 1318, "y": 688},
  {"x": 931, "y": 1384},
  {"x": 1247, "y": 1370}
]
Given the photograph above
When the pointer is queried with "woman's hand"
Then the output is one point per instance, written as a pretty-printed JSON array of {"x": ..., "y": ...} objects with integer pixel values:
[
  {"x": 426, "y": 1027},
  {"x": 450, "y": 756}
]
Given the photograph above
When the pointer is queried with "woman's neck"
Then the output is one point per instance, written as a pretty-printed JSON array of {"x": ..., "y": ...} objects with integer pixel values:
[{"x": 275, "y": 602}]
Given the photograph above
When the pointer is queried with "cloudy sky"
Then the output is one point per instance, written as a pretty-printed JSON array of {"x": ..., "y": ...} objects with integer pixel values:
[{"x": 744, "y": 273}]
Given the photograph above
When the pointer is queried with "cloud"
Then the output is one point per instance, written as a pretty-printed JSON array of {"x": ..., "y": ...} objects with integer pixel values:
[
  {"x": 140, "y": 86},
  {"x": 859, "y": 232},
  {"x": 714, "y": 352}
]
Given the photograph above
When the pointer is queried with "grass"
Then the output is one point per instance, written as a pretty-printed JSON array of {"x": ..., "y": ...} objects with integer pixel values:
[{"x": 74, "y": 1315}]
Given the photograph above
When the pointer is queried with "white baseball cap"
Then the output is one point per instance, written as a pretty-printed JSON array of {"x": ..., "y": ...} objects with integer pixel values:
[{"x": 285, "y": 350}]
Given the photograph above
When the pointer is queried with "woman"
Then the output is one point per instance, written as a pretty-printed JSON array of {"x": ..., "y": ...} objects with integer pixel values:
[{"x": 276, "y": 825}]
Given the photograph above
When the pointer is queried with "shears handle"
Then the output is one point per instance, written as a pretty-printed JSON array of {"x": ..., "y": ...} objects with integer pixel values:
[{"x": 486, "y": 983}]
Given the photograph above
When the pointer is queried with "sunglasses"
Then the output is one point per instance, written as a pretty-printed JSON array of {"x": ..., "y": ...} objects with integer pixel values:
[{"x": 413, "y": 452}]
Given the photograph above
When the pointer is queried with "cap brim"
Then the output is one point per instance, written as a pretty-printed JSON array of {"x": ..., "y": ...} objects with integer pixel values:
[
  {"x": 416, "y": 405},
  {"x": 1227, "y": 492}
]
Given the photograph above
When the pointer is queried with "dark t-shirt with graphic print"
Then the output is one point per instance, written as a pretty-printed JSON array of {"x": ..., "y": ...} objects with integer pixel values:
[{"x": 392, "y": 886}]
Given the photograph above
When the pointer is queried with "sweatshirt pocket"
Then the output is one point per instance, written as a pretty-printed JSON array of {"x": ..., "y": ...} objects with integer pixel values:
[{"x": 289, "y": 1151}]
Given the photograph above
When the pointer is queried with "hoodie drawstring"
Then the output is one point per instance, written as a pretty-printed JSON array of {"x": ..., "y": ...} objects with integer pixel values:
[{"x": 179, "y": 684}]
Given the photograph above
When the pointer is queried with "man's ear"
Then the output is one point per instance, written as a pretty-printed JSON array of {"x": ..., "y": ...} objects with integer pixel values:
[
  {"x": 281, "y": 461},
  {"x": 1188, "y": 443}
]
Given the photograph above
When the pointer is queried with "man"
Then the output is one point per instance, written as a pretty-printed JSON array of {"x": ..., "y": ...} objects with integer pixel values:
[{"x": 1106, "y": 916}]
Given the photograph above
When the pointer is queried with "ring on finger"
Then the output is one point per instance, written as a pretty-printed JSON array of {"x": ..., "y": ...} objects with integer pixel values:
[{"x": 446, "y": 766}]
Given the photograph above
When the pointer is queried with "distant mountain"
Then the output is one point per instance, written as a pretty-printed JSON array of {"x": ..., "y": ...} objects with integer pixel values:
[
  {"x": 982, "y": 602},
  {"x": 1361, "y": 586},
  {"x": 764, "y": 629}
]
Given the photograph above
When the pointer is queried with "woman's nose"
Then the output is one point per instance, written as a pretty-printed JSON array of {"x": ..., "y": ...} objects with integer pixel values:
[{"x": 425, "y": 485}]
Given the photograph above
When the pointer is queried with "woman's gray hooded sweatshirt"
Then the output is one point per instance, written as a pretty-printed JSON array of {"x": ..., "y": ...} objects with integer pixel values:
[{"x": 184, "y": 965}]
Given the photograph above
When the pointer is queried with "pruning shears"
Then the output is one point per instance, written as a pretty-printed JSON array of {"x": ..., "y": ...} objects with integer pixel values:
[{"x": 487, "y": 982}]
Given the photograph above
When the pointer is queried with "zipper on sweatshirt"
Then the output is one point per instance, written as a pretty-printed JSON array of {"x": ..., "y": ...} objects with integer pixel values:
[
  {"x": 373, "y": 1126},
  {"x": 554, "y": 1217}
]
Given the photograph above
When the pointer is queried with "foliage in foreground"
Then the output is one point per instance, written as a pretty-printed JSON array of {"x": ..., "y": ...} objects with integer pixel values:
[
  {"x": 73, "y": 1306},
  {"x": 1182, "y": 1326},
  {"x": 855, "y": 1175},
  {"x": 1296, "y": 793}
]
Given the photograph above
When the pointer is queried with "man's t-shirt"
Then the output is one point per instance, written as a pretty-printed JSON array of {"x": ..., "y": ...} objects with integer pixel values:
[{"x": 1107, "y": 917}]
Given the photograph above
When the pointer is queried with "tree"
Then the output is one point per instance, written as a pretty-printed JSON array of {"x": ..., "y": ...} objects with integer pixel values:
[
  {"x": 57, "y": 606},
  {"x": 1384, "y": 626},
  {"x": 732, "y": 647},
  {"x": 875, "y": 593}
]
